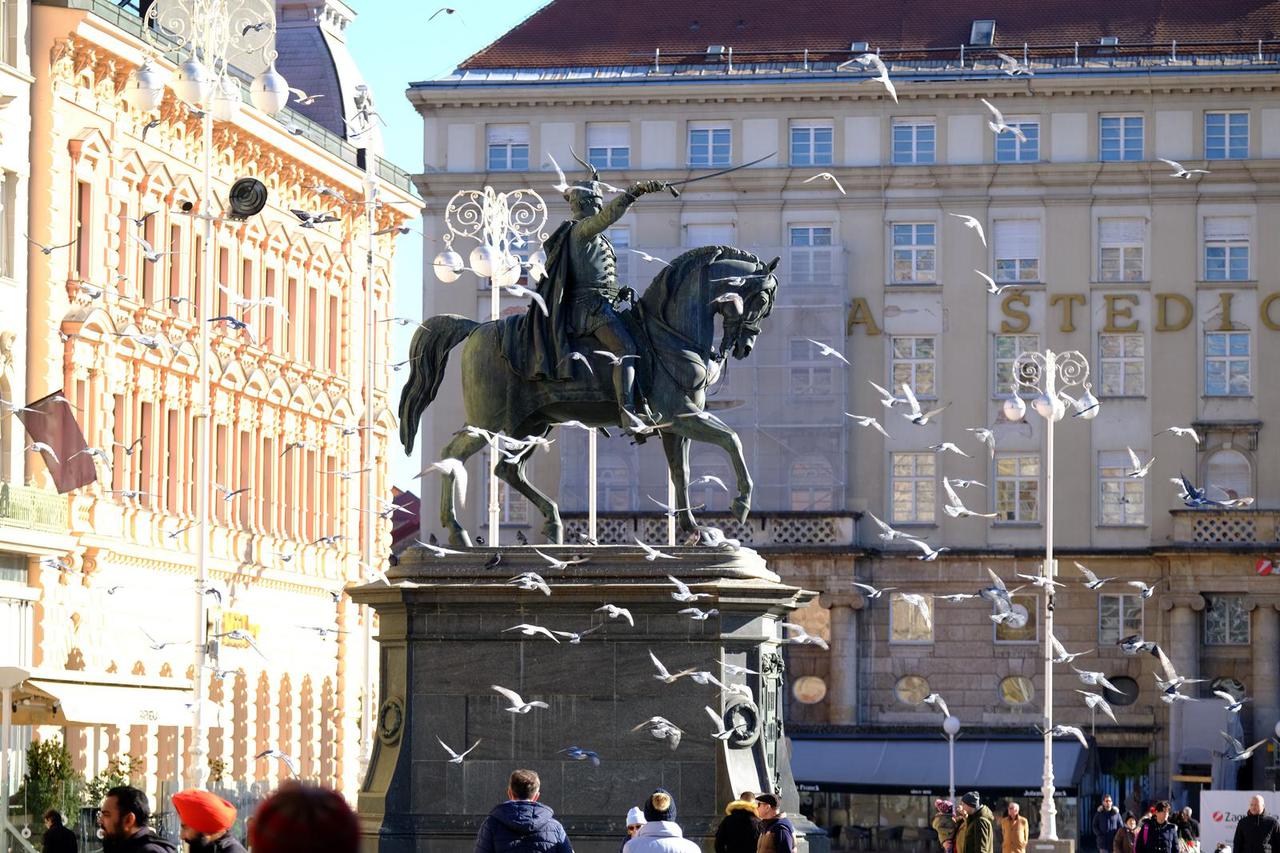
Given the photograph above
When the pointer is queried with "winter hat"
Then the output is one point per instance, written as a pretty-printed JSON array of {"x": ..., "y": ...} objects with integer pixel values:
[
  {"x": 767, "y": 799},
  {"x": 660, "y": 806},
  {"x": 944, "y": 806},
  {"x": 635, "y": 817},
  {"x": 304, "y": 817},
  {"x": 972, "y": 800},
  {"x": 206, "y": 813}
]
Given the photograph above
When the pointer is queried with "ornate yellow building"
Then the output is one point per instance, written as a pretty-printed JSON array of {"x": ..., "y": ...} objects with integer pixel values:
[{"x": 111, "y": 638}]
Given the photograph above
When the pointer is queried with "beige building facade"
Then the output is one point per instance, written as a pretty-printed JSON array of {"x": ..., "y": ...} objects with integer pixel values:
[
  {"x": 109, "y": 639},
  {"x": 1166, "y": 286}
]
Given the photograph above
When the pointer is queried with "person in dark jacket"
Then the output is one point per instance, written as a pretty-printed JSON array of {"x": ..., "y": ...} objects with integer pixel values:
[
  {"x": 206, "y": 822},
  {"x": 1193, "y": 825},
  {"x": 976, "y": 834},
  {"x": 1127, "y": 837},
  {"x": 1106, "y": 823},
  {"x": 739, "y": 831},
  {"x": 777, "y": 835},
  {"x": 57, "y": 838},
  {"x": 123, "y": 818},
  {"x": 1158, "y": 834},
  {"x": 1257, "y": 831},
  {"x": 522, "y": 824}
]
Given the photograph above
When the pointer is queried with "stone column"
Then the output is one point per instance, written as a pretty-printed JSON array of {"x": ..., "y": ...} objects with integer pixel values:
[
  {"x": 1264, "y": 686},
  {"x": 1183, "y": 649},
  {"x": 842, "y": 676}
]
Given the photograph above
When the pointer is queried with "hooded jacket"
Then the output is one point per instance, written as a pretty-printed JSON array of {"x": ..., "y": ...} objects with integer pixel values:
[
  {"x": 1106, "y": 823},
  {"x": 975, "y": 834},
  {"x": 522, "y": 826},
  {"x": 660, "y": 836},
  {"x": 144, "y": 840},
  {"x": 739, "y": 832}
]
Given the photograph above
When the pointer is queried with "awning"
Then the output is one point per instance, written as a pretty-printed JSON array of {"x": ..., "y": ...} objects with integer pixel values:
[
  {"x": 54, "y": 702},
  {"x": 919, "y": 765}
]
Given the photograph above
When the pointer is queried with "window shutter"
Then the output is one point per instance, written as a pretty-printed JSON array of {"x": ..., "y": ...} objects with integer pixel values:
[
  {"x": 1017, "y": 238},
  {"x": 608, "y": 134},
  {"x": 1122, "y": 231},
  {"x": 508, "y": 134},
  {"x": 708, "y": 235},
  {"x": 1226, "y": 228}
]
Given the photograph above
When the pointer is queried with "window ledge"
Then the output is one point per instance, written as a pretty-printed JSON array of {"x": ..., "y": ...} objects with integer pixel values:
[
  {"x": 1017, "y": 524},
  {"x": 1116, "y": 398},
  {"x": 913, "y": 285},
  {"x": 1143, "y": 526},
  {"x": 1021, "y": 284},
  {"x": 917, "y": 525},
  {"x": 1116, "y": 284},
  {"x": 1226, "y": 396},
  {"x": 1226, "y": 282}
]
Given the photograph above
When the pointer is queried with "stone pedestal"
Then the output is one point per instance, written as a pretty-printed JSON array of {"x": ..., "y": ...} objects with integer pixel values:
[{"x": 443, "y": 645}]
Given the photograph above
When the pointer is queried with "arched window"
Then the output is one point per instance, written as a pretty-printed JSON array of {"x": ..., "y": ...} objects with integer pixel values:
[
  {"x": 715, "y": 498},
  {"x": 1228, "y": 469},
  {"x": 812, "y": 484},
  {"x": 614, "y": 482}
]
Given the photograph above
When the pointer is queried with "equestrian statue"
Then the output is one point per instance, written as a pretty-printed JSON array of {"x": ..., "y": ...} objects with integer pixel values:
[{"x": 524, "y": 375}]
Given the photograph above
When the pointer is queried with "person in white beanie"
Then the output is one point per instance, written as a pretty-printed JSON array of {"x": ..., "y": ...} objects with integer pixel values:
[
  {"x": 660, "y": 833},
  {"x": 635, "y": 820}
]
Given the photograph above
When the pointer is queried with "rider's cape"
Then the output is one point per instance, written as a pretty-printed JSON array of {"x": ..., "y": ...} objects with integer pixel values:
[{"x": 537, "y": 346}]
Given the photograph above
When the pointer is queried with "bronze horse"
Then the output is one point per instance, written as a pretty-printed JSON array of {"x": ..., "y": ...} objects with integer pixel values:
[{"x": 674, "y": 325}]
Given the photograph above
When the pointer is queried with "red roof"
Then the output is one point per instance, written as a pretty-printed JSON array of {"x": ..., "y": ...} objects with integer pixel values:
[{"x": 575, "y": 33}]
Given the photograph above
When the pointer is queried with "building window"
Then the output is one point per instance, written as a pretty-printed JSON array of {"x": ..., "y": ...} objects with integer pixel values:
[
  {"x": 911, "y": 689},
  {"x": 1018, "y": 486},
  {"x": 1121, "y": 499},
  {"x": 913, "y": 363},
  {"x": 1227, "y": 364},
  {"x": 513, "y": 506},
  {"x": 914, "y": 252},
  {"x": 1226, "y": 248},
  {"x": 907, "y": 623},
  {"x": 609, "y": 144},
  {"x": 508, "y": 147},
  {"x": 812, "y": 485},
  {"x": 1119, "y": 616},
  {"x": 620, "y": 237},
  {"x": 811, "y": 145},
  {"x": 1025, "y": 626},
  {"x": 696, "y": 235},
  {"x": 615, "y": 485},
  {"x": 1011, "y": 149},
  {"x": 810, "y": 374},
  {"x": 1017, "y": 249},
  {"x": 1007, "y": 350},
  {"x": 709, "y": 144},
  {"x": 8, "y": 221},
  {"x": 1126, "y": 692},
  {"x": 1226, "y": 136},
  {"x": 914, "y": 487},
  {"x": 1123, "y": 364},
  {"x": 1120, "y": 138},
  {"x": 1122, "y": 249},
  {"x": 84, "y": 203},
  {"x": 811, "y": 255},
  {"x": 1017, "y": 690},
  {"x": 1226, "y": 621},
  {"x": 914, "y": 141},
  {"x": 1229, "y": 471},
  {"x": 705, "y": 493}
]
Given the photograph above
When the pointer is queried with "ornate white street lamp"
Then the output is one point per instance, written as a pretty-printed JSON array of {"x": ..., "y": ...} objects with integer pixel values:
[
  {"x": 951, "y": 727},
  {"x": 211, "y": 33},
  {"x": 1049, "y": 374},
  {"x": 499, "y": 223}
]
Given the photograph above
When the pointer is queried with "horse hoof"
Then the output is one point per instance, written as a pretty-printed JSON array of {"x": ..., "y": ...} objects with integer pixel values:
[
  {"x": 554, "y": 531},
  {"x": 459, "y": 538},
  {"x": 741, "y": 509}
]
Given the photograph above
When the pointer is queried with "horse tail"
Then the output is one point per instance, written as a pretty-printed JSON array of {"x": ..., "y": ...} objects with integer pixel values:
[{"x": 428, "y": 357}]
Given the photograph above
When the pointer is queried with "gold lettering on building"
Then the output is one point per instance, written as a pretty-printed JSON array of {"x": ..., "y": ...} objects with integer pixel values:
[
  {"x": 1224, "y": 308},
  {"x": 1116, "y": 312},
  {"x": 1070, "y": 300},
  {"x": 1022, "y": 318},
  {"x": 1163, "y": 321},
  {"x": 1265, "y": 311},
  {"x": 860, "y": 315}
]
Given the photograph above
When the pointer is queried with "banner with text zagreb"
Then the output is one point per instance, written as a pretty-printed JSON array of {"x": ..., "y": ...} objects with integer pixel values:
[{"x": 1220, "y": 811}]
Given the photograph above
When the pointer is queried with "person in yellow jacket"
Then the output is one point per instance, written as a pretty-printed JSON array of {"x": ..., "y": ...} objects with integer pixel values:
[{"x": 1013, "y": 831}]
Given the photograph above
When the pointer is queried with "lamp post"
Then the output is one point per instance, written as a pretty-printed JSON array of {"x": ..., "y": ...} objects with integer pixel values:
[
  {"x": 951, "y": 725},
  {"x": 499, "y": 223},
  {"x": 1049, "y": 373},
  {"x": 211, "y": 33}
]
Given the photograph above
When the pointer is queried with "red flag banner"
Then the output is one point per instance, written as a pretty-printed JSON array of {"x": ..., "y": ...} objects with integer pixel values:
[
  {"x": 1266, "y": 567},
  {"x": 51, "y": 421}
]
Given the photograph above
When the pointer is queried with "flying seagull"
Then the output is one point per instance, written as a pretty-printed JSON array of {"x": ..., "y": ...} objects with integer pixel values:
[
  {"x": 827, "y": 176},
  {"x": 532, "y": 631},
  {"x": 826, "y": 351},
  {"x": 518, "y": 705},
  {"x": 284, "y": 758},
  {"x": 1091, "y": 581},
  {"x": 917, "y": 416},
  {"x": 1096, "y": 702},
  {"x": 1060, "y": 653},
  {"x": 665, "y": 675},
  {"x": 456, "y": 757},
  {"x": 867, "y": 421},
  {"x": 998, "y": 125},
  {"x": 615, "y": 612},
  {"x": 974, "y": 223},
  {"x": 869, "y": 61},
  {"x": 662, "y": 729},
  {"x": 1181, "y": 171}
]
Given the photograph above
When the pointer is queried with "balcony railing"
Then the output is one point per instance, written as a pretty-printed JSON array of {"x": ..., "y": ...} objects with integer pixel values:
[
  {"x": 1226, "y": 527},
  {"x": 35, "y": 509},
  {"x": 790, "y": 530}
]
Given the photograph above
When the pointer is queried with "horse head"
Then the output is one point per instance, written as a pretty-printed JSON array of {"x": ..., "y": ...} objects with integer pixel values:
[{"x": 741, "y": 324}]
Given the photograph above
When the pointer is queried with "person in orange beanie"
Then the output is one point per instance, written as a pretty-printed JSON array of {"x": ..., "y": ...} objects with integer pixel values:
[
  {"x": 206, "y": 822},
  {"x": 300, "y": 817}
]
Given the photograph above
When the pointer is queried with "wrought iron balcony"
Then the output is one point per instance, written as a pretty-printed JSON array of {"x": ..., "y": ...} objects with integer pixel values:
[
  {"x": 1226, "y": 527},
  {"x": 764, "y": 531},
  {"x": 34, "y": 509}
]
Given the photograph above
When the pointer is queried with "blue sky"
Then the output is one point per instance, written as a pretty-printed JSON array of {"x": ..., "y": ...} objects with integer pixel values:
[{"x": 394, "y": 44}]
